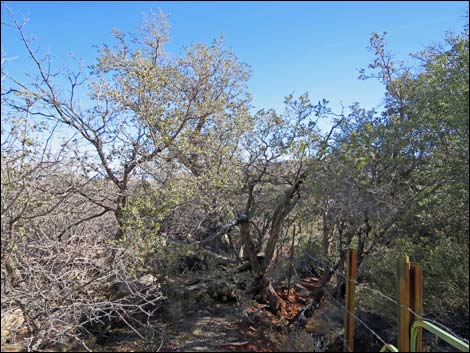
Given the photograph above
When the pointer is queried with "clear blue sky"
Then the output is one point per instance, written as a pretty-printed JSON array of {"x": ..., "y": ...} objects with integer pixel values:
[{"x": 291, "y": 46}]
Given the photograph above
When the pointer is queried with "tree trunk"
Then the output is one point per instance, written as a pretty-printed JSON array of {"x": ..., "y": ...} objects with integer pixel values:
[
  {"x": 327, "y": 278},
  {"x": 288, "y": 202},
  {"x": 249, "y": 247},
  {"x": 119, "y": 213},
  {"x": 291, "y": 260},
  {"x": 261, "y": 288},
  {"x": 264, "y": 292},
  {"x": 363, "y": 236},
  {"x": 326, "y": 233},
  {"x": 273, "y": 299},
  {"x": 340, "y": 250}
]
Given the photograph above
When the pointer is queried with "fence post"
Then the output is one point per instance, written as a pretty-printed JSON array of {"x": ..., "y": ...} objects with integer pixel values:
[
  {"x": 416, "y": 301},
  {"x": 403, "y": 286},
  {"x": 351, "y": 271}
]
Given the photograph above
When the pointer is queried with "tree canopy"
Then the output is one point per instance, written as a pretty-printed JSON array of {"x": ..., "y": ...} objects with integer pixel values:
[{"x": 163, "y": 154}]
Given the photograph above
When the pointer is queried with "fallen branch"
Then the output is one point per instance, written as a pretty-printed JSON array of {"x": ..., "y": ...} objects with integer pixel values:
[
  {"x": 300, "y": 317},
  {"x": 224, "y": 229},
  {"x": 237, "y": 344}
]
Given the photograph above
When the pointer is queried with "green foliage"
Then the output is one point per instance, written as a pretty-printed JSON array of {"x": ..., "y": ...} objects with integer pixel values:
[
  {"x": 446, "y": 280},
  {"x": 396, "y": 183},
  {"x": 388, "y": 183}
]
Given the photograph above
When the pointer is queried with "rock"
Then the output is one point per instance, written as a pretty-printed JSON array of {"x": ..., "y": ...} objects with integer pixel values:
[
  {"x": 147, "y": 280},
  {"x": 13, "y": 347},
  {"x": 12, "y": 324},
  {"x": 122, "y": 289}
]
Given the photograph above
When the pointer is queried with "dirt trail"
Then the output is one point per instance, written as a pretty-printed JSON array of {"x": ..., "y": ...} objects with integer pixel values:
[{"x": 209, "y": 330}]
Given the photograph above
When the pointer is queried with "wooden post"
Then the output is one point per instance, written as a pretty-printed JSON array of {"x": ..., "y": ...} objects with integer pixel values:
[
  {"x": 351, "y": 271},
  {"x": 290, "y": 262},
  {"x": 403, "y": 291},
  {"x": 416, "y": 301}
]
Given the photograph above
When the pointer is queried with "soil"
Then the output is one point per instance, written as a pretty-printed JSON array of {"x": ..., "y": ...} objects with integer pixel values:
[
  {"x": 228, "y": 327},
  {"x": 212, "y": 329},
  {"x": 219, "y": 327}
]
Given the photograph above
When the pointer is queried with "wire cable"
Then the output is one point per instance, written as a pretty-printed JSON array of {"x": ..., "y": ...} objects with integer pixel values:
[{"x": 327, "y": 264}]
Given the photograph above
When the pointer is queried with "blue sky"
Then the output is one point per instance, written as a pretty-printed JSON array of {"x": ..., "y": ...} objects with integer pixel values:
[{"x": 291, "y": 46}]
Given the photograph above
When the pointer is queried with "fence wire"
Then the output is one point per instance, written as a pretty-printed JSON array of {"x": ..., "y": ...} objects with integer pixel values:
[
  {"x": 367, "y": 327},
  {"x": 328, "y": 265}
]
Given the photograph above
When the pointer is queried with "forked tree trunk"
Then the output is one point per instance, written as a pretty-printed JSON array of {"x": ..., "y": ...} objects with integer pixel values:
[
  {"x": 261, "y": 287},
  {"x": 287, "y": 204}
]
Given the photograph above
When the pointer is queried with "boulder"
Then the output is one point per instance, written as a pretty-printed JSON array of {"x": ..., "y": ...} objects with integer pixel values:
[{"x": 12, "y": 325}]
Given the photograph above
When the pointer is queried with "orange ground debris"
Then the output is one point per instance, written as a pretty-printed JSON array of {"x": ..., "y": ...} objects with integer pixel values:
[{"x": 293, "y": 302}]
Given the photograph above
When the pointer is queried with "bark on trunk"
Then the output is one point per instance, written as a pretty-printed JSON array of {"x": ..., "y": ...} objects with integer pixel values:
[
  {"x": 249, "y": 247},
  {"x": 119, "y": 213},
  {"x": 264, "y": 292},
  {"x": 326, "y": 233},
  {"x": 288, "y": 202}
]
